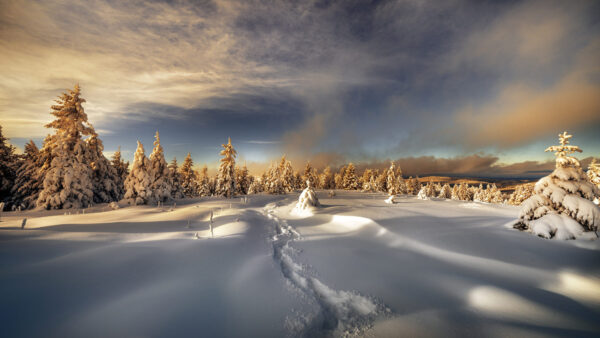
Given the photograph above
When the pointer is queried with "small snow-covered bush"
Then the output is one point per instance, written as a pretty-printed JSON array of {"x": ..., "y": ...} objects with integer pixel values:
[
  {"x": 308, "y": 198},
  {"x": 562, "y": 205}
]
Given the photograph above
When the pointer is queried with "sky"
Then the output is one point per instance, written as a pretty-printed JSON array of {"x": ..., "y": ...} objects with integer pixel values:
[{"x": 476, "y": 88}]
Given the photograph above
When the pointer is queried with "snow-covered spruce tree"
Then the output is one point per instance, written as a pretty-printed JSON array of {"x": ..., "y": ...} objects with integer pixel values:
[
  {"x": 413, "y": 186},
  {"x": 350, "y": 181},
  {"x": 122, "y": 169},
  {"x": 175, "y": 180},
  {"x": 241, "y": 177},
  {"x": 445, "y": 192},
  {"x": 464, "y": 194},
  {"x": 479, "y": 194},
  {"x": 137, "y": 184},
  {"x": 494, "y": 195},
  {"x": 381, "y": 181},
  {"x": 68, "y": 176},
  {"x": 368, "y": 181},
  {"x": 27, "y": 186},
  {"x": 105, "y": 178},
  {"x": 287, "y": 174},
  {"x": 160, "y": 186},
  {"x": 8, "y": 167},
  {"x": 308, "y": 198},
  {"x": 391, "y": 180},
  {"x": 400, "y": 183},
  {"x": 593, "y": 174},
  {"x": 226, "y": 175},
  {"x": 309, "y": 175},
  {"x": 189, "y": 183},
  {"x": 273, "y": 183},
  {"x": 327, "y": 179},
  {"x": 562, "y": 206},
  {"x": 521, "y": 193},
  {"x": 205, "y": 187}
]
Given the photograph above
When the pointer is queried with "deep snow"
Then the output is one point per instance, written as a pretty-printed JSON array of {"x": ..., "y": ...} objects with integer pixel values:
[{"x": 354, "y": 266}]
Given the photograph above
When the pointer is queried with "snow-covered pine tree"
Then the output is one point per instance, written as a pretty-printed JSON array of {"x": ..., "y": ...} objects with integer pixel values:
[
  {"x": 122, "y": 169},
  {"x": 27, "y": 185},
  {"x": 445, "y": 192},
  {"x": 226, "y": 175},
  {"x": 368, "y": 181},
  {"x": 350, "y": 181},
  {"x": 391, "y": 181},
  {"x": 562, "y": 206},
  {"x": 310, "y": 175},
  {"x": 105, "y": 178},
  {"x": 495, "y": 195},
  {"x": 400, "y": 183},
  {"x": 204, "y": 185},
  {"x": 381, "y": 181},
  {"x": 463, "y": 192},
  {"x": 430, "y": 190},
  {"x": 593, "y": 173},
  {"x": 160, "y": 186},
  {"x": 454, "y": 192},
  {"x": 521, "y": 193},
  {"x": 412, "y": 186},
  {"x": 241, "y": 177},
  {"x": 273, "y": 183},
  {"x": 139, "y": 180},
  {"x": 67, "y": 181},
  {"x": 327, "y": 179},
  {"x": 287, "y": 174},
  {"x": 8, "y": 167},
  {"x": 175, "y": 180},
  {"x": 189, "y": 183},
  {"x": 478, "y": 194}
]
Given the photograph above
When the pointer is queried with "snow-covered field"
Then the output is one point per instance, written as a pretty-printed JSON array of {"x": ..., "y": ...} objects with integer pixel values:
[{"x": 356, "y": 266}]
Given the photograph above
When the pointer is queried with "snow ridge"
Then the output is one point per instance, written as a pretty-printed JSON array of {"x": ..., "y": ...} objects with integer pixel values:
[{"x": 341, "y": 313}]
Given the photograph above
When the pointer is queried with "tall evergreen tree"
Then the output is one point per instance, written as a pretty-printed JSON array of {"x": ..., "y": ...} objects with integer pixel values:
[
  {"x": 309, "y": 175},
  {"x": 67, "y": 175},
  {"x": 105, "y": 178},
  {"x": 160, "y": 186},
  {"x": 226, "y": 184},
  {"x": 562, "y": 205},
  {"x": 8, "y": 167},
  {"x": 27, "y": 185},
  {"x": 137, "y": 184},
  {"x": 175, "y": 180},
  {"x": 391, "y": 181},
  {"x": 350, "y": 181},
  {"x": 287, "y": 174},
  {"x": 204, "y": 184},
  {"x": 189, "y": 181},
  {"x": 241, "y": 177},
  {"x": 327, "y": 179},
  {"x": 122, "y": 169}
]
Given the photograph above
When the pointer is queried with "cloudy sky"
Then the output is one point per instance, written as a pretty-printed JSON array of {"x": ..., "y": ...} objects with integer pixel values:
[{"x": 463, "y": 87}]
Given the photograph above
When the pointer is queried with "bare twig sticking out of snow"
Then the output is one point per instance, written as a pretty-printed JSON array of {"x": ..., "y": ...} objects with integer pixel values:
[{"x": 212, "y": 235}]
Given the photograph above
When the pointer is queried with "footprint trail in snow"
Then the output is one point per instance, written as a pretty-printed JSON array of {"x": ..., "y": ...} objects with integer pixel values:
[{"x": 339, "y": 312}]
